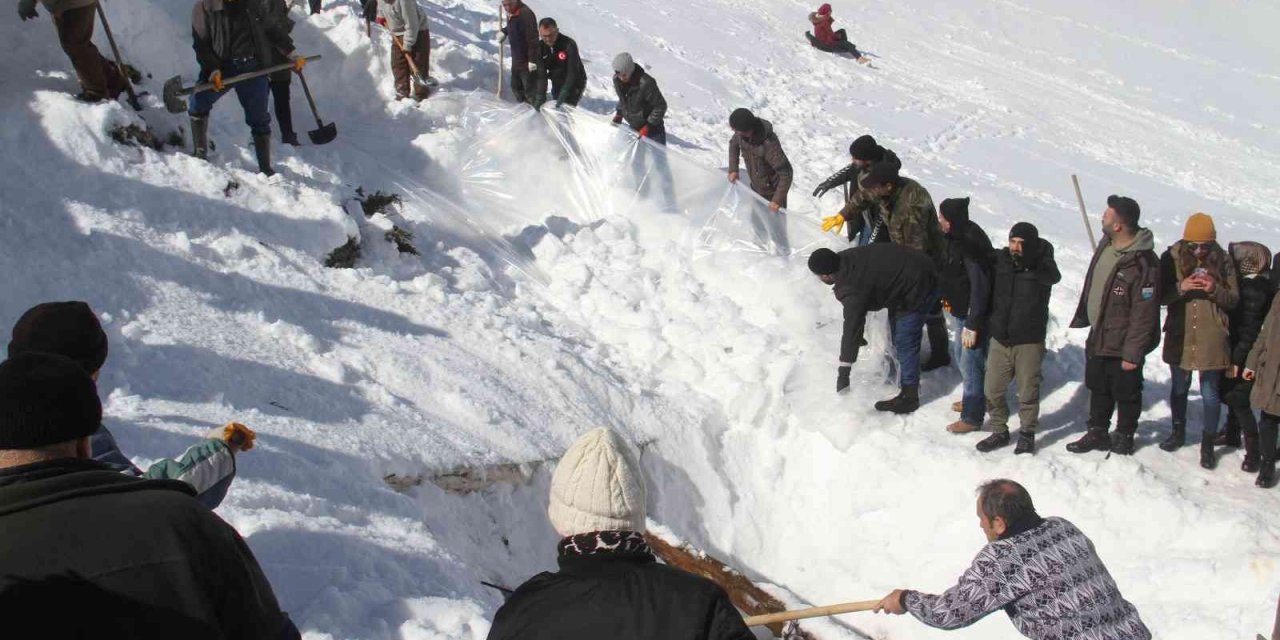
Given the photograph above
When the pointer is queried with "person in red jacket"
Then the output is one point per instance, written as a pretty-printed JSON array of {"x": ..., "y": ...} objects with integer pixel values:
[{"x": 824, "y": 38}]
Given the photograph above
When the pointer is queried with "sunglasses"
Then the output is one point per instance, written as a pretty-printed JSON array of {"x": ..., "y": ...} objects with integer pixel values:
[{"x": 1196, "y": 246}]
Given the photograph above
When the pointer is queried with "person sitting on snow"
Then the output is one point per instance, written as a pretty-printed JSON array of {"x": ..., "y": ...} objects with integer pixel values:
[
  {"x": 71, "y": 329},
  {"x": 100, "y": 78},
  {"x": 1043, "y": 572},
  {"x": 823, "y": 38},
  {"x": 132, "y": 558},
  {"x": 609, "y": 584},
  {"x": 640, "y": 101}
]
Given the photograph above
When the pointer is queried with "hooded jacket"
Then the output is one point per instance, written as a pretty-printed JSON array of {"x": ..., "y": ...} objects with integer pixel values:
[
  {"x": 767, "y": 163},
  {"x": 822, "y": 26},
  {"x": 879, "y": 276},
  {"x": 965, "y": 278},
  {"x": 1128, "y": 324},
  {"x": 1256, "y": 293},
  {"x": 1020, "y": 295},
  {"x": 640, "y": 101},
  {"x": 142, "y": 548},
  {"x": 215, "y": 32},
  {"x": 1197, "y": 325}
]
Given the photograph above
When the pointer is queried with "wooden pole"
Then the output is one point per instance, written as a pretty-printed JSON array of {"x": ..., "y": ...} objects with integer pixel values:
[
  {"x": 1083, "y": 212},
  {"x": 816, "y": 612},
  {"x": 124, "y": 72},
  {"x": 502, "y": 53}
]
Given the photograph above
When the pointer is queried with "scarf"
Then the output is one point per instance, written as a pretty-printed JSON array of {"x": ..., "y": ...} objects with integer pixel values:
[{"x": 598, "y": 542}]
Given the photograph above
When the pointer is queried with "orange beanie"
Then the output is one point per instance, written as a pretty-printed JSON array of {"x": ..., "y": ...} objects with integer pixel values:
[{"x": 1200, "y": 229}]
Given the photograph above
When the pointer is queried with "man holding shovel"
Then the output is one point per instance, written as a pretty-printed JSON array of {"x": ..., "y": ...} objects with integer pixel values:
[
  {"x": 1043, "y": 572},
  {"x": 411, "y": 40},
  {"x": 234, "y": 37},
  {"x": 100, "y": 78}
]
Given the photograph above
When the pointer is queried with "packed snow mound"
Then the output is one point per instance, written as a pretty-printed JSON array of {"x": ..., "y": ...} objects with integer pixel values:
[{"x": 570, "y": 277}]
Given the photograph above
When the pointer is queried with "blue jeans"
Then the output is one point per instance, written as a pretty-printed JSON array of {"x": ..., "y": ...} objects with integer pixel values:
[
  {"x": 1209, "y": 397},
  {"x": 907, "y": 326},
  {"x": 254, "y": 96},
  {"x": 973, "y": 369}
]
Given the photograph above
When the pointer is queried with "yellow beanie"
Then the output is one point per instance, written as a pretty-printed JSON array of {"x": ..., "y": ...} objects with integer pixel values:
[{"x": 1200, "y": 229}]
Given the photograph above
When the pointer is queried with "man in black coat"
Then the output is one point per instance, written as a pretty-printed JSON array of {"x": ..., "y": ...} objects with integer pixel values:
[
  {"x": 1025, "y": 273},
  {"x": 871, "y": 278},
  {"x": 561, "y": 65},
  {"x": 965, "y": 279},
  {"x": 139, "y": 557},
  {"x": 609, "y": 585}
]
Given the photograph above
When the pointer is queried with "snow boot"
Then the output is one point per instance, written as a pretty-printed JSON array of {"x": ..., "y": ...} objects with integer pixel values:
[
  {"x": 1094, "y": 439},
  {"x": 907, "y": 401},
  {"x": 994, "y": 441},
  {"x": 1177, "y": 437},
  {"x": 200, "y": 137},
  {"x": 262, "y": 147},
  {"x": 1229, "y": 436},
  {"x": 1266, "y": 474},
  {"x": 1026, "y": 443},
  {"x": 1250, "y": 463},
  {"x": 1207, "y": 458},
  {"x": 1122, "y": 443}
]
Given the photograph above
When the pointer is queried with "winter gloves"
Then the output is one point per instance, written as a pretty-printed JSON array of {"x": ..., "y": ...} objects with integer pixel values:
[
  {"x": 27, "y": 10},
  {"x": 842, "y": 378},
  {"x": 644, "y": 131},
  {"x": 215, "y": 79},
  {"x": 237, "y": 436},
  {"x": 833, "y": 224}
]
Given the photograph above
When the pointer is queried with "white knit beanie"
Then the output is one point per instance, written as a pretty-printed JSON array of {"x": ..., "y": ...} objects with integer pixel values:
[
  {"x": 597, "y": 487},
  {"x": 622, "y": 63}
]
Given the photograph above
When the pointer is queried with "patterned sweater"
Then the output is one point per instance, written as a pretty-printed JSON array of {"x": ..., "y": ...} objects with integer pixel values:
[{"x": 1048, "y": 579}]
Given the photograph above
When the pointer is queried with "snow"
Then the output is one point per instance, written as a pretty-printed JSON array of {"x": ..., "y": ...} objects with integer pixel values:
[{"x": 552, "y": 296}]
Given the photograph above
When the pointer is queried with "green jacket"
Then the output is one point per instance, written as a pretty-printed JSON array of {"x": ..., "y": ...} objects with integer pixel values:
[
  {"x": 208, "y": 466},
  {"x": 912, "y": 220}
]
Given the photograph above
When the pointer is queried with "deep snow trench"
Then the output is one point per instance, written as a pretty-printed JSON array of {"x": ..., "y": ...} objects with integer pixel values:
[{"x": 570, "y": 278}]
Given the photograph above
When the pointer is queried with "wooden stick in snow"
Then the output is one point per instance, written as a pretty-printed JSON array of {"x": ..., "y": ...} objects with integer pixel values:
[{"x": 1084, "y": 213}]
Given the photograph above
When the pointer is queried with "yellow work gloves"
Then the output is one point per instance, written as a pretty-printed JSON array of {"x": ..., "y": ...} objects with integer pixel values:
[
  {"x": 236, "y": 435},
  {"x": 833, "y": 223}
]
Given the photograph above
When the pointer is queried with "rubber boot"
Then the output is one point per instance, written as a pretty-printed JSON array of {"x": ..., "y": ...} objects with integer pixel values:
[
  {"x": 907, "y": 401},
  {"x": 1096, "y": 439},
  {"x": 262, "y": 147},
  {"x": 1177, "y": 437},
  {"x": 1122, "y": 443},
  {"x": 939, "y": 344},
  {"x": 1230, "y": 436},
  {"x": 1207, "y": 458},
  {"x": 200, "y": 137},
  {"x": 1250, "y": 463}
]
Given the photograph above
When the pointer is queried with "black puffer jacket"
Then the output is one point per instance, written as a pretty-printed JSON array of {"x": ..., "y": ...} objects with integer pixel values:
[
  {"x": 880, "y": 276},
  {"x": 1020, "y": 295},
  {"x": 640, "y": 100},
  {"x": 216, "y": 31},
  {"x": 1256, "y": 294},
  {"x": 618, "y": 596},
  {"x": 965, "y": 277}
]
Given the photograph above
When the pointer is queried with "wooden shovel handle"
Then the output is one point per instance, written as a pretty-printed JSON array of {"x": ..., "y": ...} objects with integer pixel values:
[{"x": 816, "y": 612}]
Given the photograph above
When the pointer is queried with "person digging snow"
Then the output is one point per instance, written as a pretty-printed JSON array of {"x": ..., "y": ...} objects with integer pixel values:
[
  {"x": 609, "y": 584},
  {"x": 561, "y": 66},
  {"x": 74, "y": 20},
  {"x": 881, "y": 276},
  {"x": 1043, "y": 572},
  {"x": 824, "y": 39},
  {"x": 408, "y": 25},
  {"x": 640, "y": 101},
  {"x": 860, "y": 211},
  {"x": 233, "y": 37},
  {"x": 72, "y": 330}
]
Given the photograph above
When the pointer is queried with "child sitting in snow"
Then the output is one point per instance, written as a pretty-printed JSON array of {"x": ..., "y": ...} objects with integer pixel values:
[{"x": 827, "y": 40}]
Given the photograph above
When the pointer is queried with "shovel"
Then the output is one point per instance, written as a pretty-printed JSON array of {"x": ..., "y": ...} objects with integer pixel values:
[
  {"x": 816, "y": 612},
  {"x": 324, "y": 133},
  {"x": 174, "y": 91},
  {"x": 413, "y": 66},
  {"x": 124, "y": 73}
]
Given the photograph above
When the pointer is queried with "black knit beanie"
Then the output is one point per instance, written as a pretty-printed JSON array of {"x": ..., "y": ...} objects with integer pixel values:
[
  {"x": 955, "y": 210},
  {"x": 880, "y": 173},
  {"x": 743, "y": 120},
  {"x": 824, "y": 262},
  {"x": 866, "y": 149},
  {"x": 45, "y": 399},
  {"x": 1025, "y": 230},
  {"x": 66, "y": 328}
]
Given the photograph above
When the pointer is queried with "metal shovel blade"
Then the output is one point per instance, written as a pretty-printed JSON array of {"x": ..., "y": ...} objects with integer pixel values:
[
  {"x": 174, "y": 101},
  {"x": 324, "y": 135}
]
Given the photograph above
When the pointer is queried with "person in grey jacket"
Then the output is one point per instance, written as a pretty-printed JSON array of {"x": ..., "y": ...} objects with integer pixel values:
[
  {"x": 74, "y": 20},
  {"x": 1043, "y": 572},
  {"x": 408, "y": 25},
  {"x": 640, "y": 101}
]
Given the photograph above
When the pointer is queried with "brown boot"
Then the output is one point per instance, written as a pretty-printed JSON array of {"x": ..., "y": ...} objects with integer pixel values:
[
  {"x": 957, "y": 406},
  {"x": 960, "y": 426}
]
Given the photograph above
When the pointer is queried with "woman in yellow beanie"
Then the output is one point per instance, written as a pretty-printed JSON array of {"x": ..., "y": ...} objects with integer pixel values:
[{"x": 1199, "y": 286}]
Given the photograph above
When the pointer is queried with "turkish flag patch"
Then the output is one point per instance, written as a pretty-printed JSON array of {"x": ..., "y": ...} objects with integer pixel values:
[{"x": 563, "y": 56}]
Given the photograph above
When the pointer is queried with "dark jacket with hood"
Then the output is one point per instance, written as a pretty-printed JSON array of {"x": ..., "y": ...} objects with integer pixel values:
[
  {"x": 767, "y": 163},
  {"x": 879, "y": 276},
  {"x": 143, "y": 550},
  {"x": 1256, "y": 293},
  {"x": 1020, "y": 294},
  {"x": 640, "y": 101},
  {"x": 1128, "y": 324},
  {"x": 224, "y": 31},
  {"x": 965, "y": 277},
  {"x": 618, "y": 596}
]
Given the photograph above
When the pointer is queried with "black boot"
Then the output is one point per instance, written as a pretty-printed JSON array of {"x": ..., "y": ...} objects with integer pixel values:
[
  {"x": 290, "y": 138},
  {"x": 939, "y": 345},
  {"x": 1266, "y": 474},
  {"x": 262, "y": 147},
  {"x": 1122, "y": 443},
  {"x": 200, "y": 137},
  {"x": 1026, "y": 443},
  {"x": 1207, "y": 458},
  {"x": 1093, "y": 440},
  {"x": 1177, "y": 437},
  {"x": 1250, "y": 463},
  {"x": 907, "y": 401},
  {"x": 1230, "y": 436},
  {"x": 994, "y": 441}
]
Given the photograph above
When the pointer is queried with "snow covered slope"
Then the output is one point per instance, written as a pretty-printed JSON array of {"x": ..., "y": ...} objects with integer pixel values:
[{"x": 549, "y": 298}]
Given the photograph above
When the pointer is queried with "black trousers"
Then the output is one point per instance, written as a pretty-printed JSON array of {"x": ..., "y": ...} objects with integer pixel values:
[
  {"x": 575, "y": 94},
  {"x": 284, "y": 113},
  {"x": 1267, "y": 430},
  {"x": 315, "y": 7},
  {"x": 523, "y": 85},
  {"x": 1113, "y": 390}
]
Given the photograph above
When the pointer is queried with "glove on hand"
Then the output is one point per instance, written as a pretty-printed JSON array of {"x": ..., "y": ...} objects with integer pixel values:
[
  {"x": 27, "y": 10},
  {"x": 236, "y": 435},
  {"x": 833, "y": 223}
]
